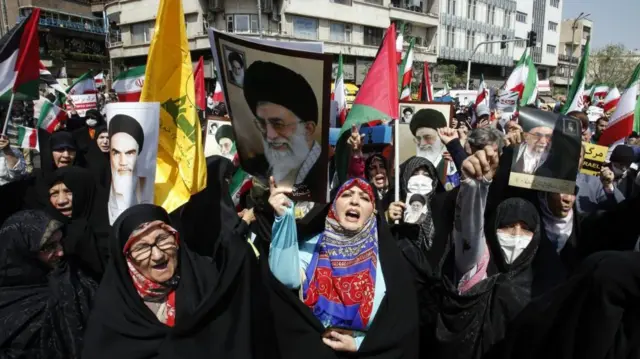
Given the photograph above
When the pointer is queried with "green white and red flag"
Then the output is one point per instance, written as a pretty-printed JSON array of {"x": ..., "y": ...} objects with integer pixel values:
[
  {"x": 28, "y": 138},
  {"x": 612, "y": 99},
  {"x": 575, "y": 101},
  {"x": 483, "y": 93},
  {"x": 128, "y": 84},
  {"x": 83, "y": 85},
  {"x": 626, "y": 117},
  {"x": 407, "y": 73},
  {"x": 523, "y": 80},
  {"x": 50, "y": 116},
  {"x": 339, "y": 94},
  {"x": 399, "y": 43},
  {"x": 425, "y": 89}
]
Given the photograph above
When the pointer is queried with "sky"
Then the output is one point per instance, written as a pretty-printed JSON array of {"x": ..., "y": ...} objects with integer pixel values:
[{"x": 614, "y": 21}]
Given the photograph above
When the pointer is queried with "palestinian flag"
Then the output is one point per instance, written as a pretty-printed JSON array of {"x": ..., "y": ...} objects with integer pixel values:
[
  {"x": 50, "y": 116},
  {"x": 612, "y": 99},
  {"x": 20, "y": 60},
  {"x": 128, "y": 84},
  {"x": 425, "y": 89},
  {"x": 340, "y": 94},
  {"x": 28, "y": 138},
  {"x": 575, "y": 101},
  {"x": 626, "y": 118},
  {"x": 377, "y": 99},
  {"x": 523, "y": 80},
  {"x": 47, "y": 78},
  {"x": 407, "y": 74},
  {"x": 85, "y": 84}
]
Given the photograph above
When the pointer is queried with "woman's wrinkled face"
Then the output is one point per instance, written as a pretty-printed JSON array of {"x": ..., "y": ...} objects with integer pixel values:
[
  {"x": 353, "y": 209},
  {"x": 155, "y": 254},
  {"x": 64, "y": 157},
  {"x": 61, "y": 198},
  {"x": 51, "y": 251},
  {"x": 103, "y": 142}
]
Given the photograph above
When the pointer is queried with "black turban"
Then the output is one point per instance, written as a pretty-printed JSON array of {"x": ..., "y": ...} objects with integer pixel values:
[
  {"x": 530, "y": 118},
  {"x": 129, "y": 125},
  {"x": 417, "y": 197},
  {"x": 427, "y": 117},
  {"x": 269, "y": 82},
  {"x": 407, "y": 109},
  {"x": 224, "y": 131},
  {"x": 234, "y": 56}
]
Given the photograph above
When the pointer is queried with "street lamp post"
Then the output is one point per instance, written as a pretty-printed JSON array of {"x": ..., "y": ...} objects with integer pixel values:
[{"x": 574, "y": 27}]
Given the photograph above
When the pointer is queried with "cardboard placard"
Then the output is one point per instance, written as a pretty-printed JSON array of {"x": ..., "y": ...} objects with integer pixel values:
[{"x": 594, "y": 157}]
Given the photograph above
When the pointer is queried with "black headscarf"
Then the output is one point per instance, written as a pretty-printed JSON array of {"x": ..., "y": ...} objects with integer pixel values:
[
  {"x": 87, "y": 231},
  {"x": 468, "y": 325},
  {"x": 393, "y": 332},
  {"x": 215, "y": 313},
  {"x": 43, "y": 310},
  {"x": 427, "y": 228},
  {"x": 98, "y": 161}
]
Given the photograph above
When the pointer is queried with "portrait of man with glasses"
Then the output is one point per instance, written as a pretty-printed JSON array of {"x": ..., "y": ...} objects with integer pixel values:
[{"x": 285, "y": 110}]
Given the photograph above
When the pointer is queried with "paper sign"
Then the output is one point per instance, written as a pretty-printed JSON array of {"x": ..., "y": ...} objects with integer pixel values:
[
  {"x": 507, "y": 101},
  {"x": 83, "y": 103},
  {"x": 594, "y": 157}
]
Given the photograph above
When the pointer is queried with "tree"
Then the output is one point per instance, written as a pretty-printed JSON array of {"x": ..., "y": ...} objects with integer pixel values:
[
  {"x": 612, "y": 65},
  {"x": 451, "y": 75}
]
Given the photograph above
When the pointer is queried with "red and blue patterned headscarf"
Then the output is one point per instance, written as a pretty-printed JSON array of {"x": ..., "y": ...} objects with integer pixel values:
[{"x": 340, "y": 280}]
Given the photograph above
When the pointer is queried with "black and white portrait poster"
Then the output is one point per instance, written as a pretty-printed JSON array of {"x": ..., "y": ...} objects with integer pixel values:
[
  {"x": 219, "y": 139},
  {"x": 278, "y": 100},
  {"x": 133, "y": 140},
  {"x": 548, "y": 158}
]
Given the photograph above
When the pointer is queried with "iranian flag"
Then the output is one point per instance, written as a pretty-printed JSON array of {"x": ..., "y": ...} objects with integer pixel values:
[
  {"x": 483, "y": 93},
  {"x": 377, "y": 99},
  {"x": 20, "y": 60},
  {"x": 586, "y": 93},
  {"x": 407, "y": 74},
  {"x": 83, "y": 85},
  {"x": 425, "y": 90},
  {"x": 128, "y": 84},
  {"x": 524, "y": 80},
  {"x": 218, "y": 96},
  {"x": 612, "y": 99},
  {"x": 99, "y": 79},
  {"x": 28, "y": 138},
  {"x": 340, "y": 94},
  {"x": 599, "y": 92},
  {"x": 47, "y": 78},
  {"x": 575, "y": 101},
  {"x": 239, "y": 185},
  {"x": 626, "y": 117},
  {"x": 400, "y": 43},
  {"x": 50, "y": 116}
]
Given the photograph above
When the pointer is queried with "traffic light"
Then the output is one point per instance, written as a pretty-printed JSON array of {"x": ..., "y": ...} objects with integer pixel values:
[
  {"x": 532, "y": 39},
  {"x": 503, "y": 44}
]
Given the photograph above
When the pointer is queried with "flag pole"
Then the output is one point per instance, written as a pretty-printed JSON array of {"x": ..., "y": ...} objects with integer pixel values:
[
  {"x": 396, "y": 161},
  {"x": 6, "y": 120}
]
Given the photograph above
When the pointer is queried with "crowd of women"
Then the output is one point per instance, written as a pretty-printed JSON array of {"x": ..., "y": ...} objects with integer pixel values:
[{"x": 487, "y": 271}]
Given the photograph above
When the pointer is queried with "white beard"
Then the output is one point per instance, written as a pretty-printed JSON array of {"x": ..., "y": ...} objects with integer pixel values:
[
  {"x": 412, "y": 216},
  {"x": 284, "y": 162},
  {"x": 239, "y": 79},
  {"x": 125, "y": 186},
  {"x": 433, "y": 152}
]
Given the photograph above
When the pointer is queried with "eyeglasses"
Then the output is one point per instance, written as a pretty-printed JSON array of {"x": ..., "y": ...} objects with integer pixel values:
[
  {"x": 539, "y": 136},
  {"x": 277, "y": 125},
  {"x": 142, "y": 252}
]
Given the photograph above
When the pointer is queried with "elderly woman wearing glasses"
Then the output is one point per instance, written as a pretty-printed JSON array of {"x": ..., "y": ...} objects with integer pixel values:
[{"x": 159, "y": 299}]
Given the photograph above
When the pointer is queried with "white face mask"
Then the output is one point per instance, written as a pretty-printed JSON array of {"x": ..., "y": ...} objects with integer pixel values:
[
  {"x": 420, "y": 184},
  {"x": 512, "y": 246},
  {"x": 91, "y": 122}
]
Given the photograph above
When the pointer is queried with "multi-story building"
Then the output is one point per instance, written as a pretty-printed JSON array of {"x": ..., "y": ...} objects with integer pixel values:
[
  {"x": 72, "y": 33},
  {"x": 466, "y": 23},
  {"x": 354, "y": 28},
  {"x": 573, "y": 39}
]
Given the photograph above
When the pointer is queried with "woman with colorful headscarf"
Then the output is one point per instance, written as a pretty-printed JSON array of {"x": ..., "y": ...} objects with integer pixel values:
[
  {"x": 44, "y": 301},
  {"x": 158, "y": 299},
  {"x": 356, "y": 297}
]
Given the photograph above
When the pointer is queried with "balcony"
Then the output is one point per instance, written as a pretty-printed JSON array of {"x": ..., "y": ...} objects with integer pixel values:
[
  {"x": 69, "y": 25},
  {"x": 567, "y": 58},
  {"x": 412, "y": 11}
]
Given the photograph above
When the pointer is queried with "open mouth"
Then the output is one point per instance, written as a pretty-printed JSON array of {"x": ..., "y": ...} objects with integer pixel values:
[
  {"x": 379, "y": 179},
  {"x": 66, "y": 212},
  {"x": 160, "y": 266},
  {"x": 352, "y": 215}
]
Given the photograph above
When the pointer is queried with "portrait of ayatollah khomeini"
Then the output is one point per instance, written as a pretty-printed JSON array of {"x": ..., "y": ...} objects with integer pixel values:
[{"x": 286, "y": 115}]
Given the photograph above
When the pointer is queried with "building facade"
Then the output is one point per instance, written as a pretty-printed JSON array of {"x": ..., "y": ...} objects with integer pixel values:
[
  {"x": 72, "y": 33},
  {"x": 354, "y": 28},
  {"x": 573, "y": 39}
]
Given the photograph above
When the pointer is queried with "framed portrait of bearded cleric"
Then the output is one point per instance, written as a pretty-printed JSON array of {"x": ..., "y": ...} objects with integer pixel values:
[
  {"x": 219, "y": 139},
  {"x": 133, "y": 129},
  {"x": 549, "y": 156},
  {"x": 280, "y": 113}
]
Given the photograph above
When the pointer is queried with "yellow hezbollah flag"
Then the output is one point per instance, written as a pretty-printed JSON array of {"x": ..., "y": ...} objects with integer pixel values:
[{"x": 181, "y": 167}]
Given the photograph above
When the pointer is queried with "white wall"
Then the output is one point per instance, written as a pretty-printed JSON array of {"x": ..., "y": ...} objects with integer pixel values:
[
  {"x": 552, "y": 14},
  {"x": 525, "y": 6},
  {"x": 358, "y": 13}
]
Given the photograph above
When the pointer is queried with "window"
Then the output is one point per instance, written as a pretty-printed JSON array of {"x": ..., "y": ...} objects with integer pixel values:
[
  {"x": 242, "y": 23},
  {"x": 507, "y": 20},
  {"x": 140, "y": 33},
  {"x": 551, "y": 49},
  {"x": 555, "y": 3},
  {"x": 339, "y": 32},
  {"x": 373, "y": 36},
  {"x": 451, "y": 7},
  {"x": 521, "y": 17},
  {"x": 451, "y": 36},
  {"x": 520, "y": 43},
  {"x": 305, "y": 28},
  {"x": 471, "y": 40},
  {"x": 343, "y": 2},
  {"x": 491, "y": 14},
  {"x": 471, "y": 9},
  {"x": 553, "y": 26}
]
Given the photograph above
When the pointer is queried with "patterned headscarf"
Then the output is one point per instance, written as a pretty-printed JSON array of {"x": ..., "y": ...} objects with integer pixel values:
[
  {"x": 149, "y": 290},
  {"x": 341, "y": 277}
]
